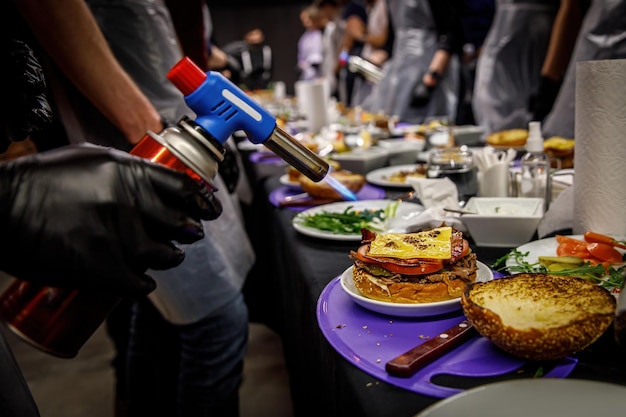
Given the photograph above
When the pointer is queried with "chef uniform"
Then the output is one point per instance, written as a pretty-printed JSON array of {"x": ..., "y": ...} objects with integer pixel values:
[
  {"x": 415, "y": 43},
  {"x": 509, "y": 66},
  {"x": 602, "y": 36}
]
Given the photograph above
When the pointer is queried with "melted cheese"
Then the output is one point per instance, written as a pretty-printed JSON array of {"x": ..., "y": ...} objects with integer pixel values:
[{"x": 431, "y": 244}]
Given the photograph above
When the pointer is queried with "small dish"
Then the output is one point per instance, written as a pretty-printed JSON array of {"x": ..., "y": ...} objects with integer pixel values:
[
  {"x": 402, "y": 151},
  {"x": 362, "y": 161},
  {"x": 384, "y": 176},
  {"x": 502, "y": 221},
  {"x": 484, "y": 274}
]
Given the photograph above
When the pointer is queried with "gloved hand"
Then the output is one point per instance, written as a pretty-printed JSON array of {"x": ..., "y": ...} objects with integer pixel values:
[
  {"x": 540, "y": 104},
  {"x": 94, "y": 218}
]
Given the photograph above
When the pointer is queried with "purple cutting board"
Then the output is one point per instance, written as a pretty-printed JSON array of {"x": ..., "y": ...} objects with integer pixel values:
[
  {"x": 368, "y": 340},
  {"x": 368, "y": 192}
]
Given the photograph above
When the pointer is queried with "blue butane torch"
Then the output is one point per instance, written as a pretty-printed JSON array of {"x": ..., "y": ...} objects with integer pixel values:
[{"x": 223, "y": 108}]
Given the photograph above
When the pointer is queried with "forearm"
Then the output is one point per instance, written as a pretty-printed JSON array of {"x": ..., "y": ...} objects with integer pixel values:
[
  {"x": 376, "y": 40},
  {"x": 562, "y": 40},
  {"x": 218, "y": 58},
  {"x": 438, "y": 65},
  {"x": 71, "y": 37}
]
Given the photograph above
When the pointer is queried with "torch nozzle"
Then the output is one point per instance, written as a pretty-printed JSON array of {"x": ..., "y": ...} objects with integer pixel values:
[{"x": 297, "y": 155}]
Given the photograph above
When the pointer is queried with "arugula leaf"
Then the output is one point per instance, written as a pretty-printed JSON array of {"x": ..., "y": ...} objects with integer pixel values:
[
  {"x": 610, "y": 278},
  {"x": 350, "y": 221}
]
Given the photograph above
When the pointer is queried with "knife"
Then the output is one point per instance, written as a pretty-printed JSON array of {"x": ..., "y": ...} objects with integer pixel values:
[
  {"x": 409, "y": 362},
  {"x": 306, "y": 203}
]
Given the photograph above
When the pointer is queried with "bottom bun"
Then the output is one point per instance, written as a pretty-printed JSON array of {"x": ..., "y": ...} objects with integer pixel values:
[{"x": 388, "y": 290}]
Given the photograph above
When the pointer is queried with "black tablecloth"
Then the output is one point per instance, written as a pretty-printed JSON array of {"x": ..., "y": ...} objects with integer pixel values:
[{"x": 283, "y": 290}]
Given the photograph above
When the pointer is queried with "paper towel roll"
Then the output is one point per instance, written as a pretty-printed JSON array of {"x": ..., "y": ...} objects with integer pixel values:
[
  {"x": 313, "y": 103},
  {"x": 600, "y": 157}
]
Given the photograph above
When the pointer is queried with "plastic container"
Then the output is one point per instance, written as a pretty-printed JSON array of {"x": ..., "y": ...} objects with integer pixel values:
[{"x": 535, "y": 167}]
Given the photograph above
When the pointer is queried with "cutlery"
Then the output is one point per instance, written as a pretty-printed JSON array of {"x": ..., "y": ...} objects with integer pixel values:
[
  {"x": 411, "y": 361},
  {"x": 303, "y": 199},
  {"x": 458, "y": 211}
]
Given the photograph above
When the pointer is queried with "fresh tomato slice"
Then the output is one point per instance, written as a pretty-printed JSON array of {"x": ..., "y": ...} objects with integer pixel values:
[
  {"x": 571, "y": 247},
  {"x": 604, "y": 252},
  {"x": 426, "y": 266}
]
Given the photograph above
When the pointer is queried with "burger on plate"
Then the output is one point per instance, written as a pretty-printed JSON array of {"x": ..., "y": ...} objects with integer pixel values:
[
  {"x": 508, "y": 138},
  {"x": 423, "y": 267},
  {"x": 560, "y": 148}
]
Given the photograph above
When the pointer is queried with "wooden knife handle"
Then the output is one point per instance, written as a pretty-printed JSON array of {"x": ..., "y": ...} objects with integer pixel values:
[
  {"x": 409, "y": 362},
  {"x": 305, "y": 202}
]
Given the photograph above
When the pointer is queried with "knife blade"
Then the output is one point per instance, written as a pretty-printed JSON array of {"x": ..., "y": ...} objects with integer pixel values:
[{"x": 411, "y": 361}]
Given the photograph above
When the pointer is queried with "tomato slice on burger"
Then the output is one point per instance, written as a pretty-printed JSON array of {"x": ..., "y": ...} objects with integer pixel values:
[{"x": 425, "y": 266}]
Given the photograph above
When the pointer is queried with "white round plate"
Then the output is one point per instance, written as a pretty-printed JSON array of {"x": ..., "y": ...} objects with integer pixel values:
[
  {"x": 404, "y": 213},
  {"x": 284, "y": 180},
  {"x": 536, "y": 397},
  {"x": 544, "y": 247},
  {"x": 484, "y": 274},
  {"x": 379, "y": 176}
]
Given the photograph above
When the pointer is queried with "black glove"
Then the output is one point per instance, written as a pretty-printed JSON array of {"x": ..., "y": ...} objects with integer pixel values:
[
  {"x": 94, "y": 218},
  {"x": 540, "y": 104}
]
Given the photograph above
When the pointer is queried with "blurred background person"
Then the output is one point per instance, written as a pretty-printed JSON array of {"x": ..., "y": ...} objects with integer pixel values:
[
  {"x": 508, "y": 69},
  {"x": 422, "y": 78},
  {"x": 310, "y": 44},
  {"x": 476, "y": 19},
  {"x": 332, "y": 35},
  {"x": 253, "y": 57},
  {"x": 377, "y": 44},
  {"x": 602, "y": 36},
  {"x": 562, "y": 39},
  {"x": 353, "y": 25}
]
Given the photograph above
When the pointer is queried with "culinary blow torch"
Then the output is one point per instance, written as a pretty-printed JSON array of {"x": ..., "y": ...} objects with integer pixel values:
[{"x": 222, "y": 108}]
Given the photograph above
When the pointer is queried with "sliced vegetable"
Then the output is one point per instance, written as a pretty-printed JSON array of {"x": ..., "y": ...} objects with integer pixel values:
[
  {"x": 594, "y": 237},
  {"x": 571, "y": 247},
  {"x": 350, "y": 221},
  {"x": 604, "y": 252},
  {"x": 425, "y": 266},
  {"x": 570, "y": 260}
]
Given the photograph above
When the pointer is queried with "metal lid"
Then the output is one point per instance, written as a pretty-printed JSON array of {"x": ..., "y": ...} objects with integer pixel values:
[{"x": 198, "y": 153}]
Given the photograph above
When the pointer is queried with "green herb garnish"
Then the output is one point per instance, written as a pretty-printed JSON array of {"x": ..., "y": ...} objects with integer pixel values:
[
  {"x": 350, "y": 221},
  {"x": 610, "y": 278}
]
